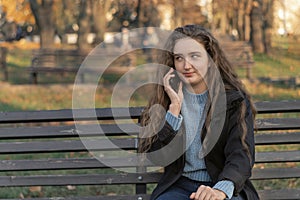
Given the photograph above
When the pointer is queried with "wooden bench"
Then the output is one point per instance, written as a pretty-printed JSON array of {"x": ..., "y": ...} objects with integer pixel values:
[
  {"x": 59, "y": 61},
  {"x": 67, "y": 61},
  {"x": 41, "y": 151},
  {"x": 240, "y": 54}
]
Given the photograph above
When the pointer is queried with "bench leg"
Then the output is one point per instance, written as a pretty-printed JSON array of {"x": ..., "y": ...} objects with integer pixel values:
[
  {"x": 248, "y": 73},
  {"x": 5, "y": 72},
  {"x": 33, "y": 76}
]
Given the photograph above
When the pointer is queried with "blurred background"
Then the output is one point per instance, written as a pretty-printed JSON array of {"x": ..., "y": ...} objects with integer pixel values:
[
  {"x": 270, "y": 28},
  {"x": 260, "y": 37}
]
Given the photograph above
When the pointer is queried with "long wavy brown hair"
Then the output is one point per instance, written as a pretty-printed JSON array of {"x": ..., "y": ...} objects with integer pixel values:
[{"x": 152, "y": 118}]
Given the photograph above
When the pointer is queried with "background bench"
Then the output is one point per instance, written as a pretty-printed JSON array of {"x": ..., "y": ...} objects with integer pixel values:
[
  {"x": 59, "y": 61},
  {"x": 42, "y": 148},
  {"x": 68, "y": 61},
  {"x": 240, "y": 54}
]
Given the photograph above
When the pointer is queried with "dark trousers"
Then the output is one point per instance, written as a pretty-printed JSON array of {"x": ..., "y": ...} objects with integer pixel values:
[{"x": 183, "y": 188}]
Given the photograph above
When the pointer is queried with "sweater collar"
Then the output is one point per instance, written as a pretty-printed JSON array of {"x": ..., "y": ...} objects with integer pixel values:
[{"x": 194, "y": 98}]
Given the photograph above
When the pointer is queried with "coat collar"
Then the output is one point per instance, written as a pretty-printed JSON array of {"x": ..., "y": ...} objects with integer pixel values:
[{"x": 234, "y": 98}]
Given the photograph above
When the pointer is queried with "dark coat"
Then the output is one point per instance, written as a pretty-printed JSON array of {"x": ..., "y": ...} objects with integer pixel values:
[{"x": 227, "y": 160}]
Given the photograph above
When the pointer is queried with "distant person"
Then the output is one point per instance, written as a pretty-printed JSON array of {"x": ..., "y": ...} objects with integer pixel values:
[
  {"x": 211, "y": 163},
  {"x": 125, "y": 46},
  {"x": 19, "y": 33}
]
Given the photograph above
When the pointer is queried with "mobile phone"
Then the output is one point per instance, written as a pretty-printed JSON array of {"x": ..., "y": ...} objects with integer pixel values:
[{"x": 174, "y": 82}]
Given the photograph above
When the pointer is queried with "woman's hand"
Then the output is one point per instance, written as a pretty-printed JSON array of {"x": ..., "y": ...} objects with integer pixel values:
[
  {"x": 176, "y": 98},
  {"x": 207, "y": 193}
]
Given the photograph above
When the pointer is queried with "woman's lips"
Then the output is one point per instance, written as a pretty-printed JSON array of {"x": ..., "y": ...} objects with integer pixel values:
[{"x": 188, "y": 74}]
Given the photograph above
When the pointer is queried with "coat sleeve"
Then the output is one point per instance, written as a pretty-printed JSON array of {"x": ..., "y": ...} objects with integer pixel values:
[
  {"x": 239, "y": 150},
  {"x": 167, "y": 147}
]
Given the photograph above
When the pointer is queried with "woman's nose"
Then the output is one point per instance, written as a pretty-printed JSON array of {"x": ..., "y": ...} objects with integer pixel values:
[{"x": 187, "y": 64}]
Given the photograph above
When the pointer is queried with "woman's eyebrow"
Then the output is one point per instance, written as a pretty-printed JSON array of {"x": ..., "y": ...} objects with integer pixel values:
[
  {"x": 197, "y": 52},
  {"x": 177, "y": 54},
  {"x": 180, "y": 54}
]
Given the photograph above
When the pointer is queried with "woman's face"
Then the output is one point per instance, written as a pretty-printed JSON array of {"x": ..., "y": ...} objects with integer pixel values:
[{"x": 191, "y": 63}]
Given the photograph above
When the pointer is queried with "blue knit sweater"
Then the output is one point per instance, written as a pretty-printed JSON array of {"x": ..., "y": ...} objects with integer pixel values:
[{"x": 192, "y": 113}]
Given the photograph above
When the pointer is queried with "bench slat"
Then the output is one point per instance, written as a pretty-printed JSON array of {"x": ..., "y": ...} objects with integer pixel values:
[
  {"x": 68, "y": 163},
  {"x": 66, "y": 146},
  {"x": 111, "y": 129},
  {"x": 278, "y": 124},
  {"x": 67, "y": 115},
  {"x": 89, "y": 179},
  {"x": 124, "y": 178},
  {"x": 43, "y": 69},
  {"x": 278, "y": 156},
  {"x": 69, "y": 131},
  {"x": 282, "y": 194},
  {"x": 275, "y": 173},
  {"x": 278, "y": 106},
  {"x": 117, "y": 130},
  {"x": 89, "y": 163},
  {"x": 277, "y": 138},
  {"x": 112, "y": 197}
]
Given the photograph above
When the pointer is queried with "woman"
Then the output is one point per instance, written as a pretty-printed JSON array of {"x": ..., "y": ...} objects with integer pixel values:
[{"x": 204, "y": 139}]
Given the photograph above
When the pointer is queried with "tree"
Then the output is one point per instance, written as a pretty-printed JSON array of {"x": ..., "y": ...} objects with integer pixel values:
[
  {"x": 178, "y": 12},
  {"x": 257, "y": 27},
  {"x": 191, "y": 13},
  {"x": 66, "y": 17},
  {"x": 14, "y": 17},
  {"x": 100, "y": 8},
  {"x": 43, "y": 16},
  {"x": 17, "y": 11},
  {"x": 125, "y": 14},
  {"x": 220, "y": 18},
  {"x": 134, "y": 14},
  {"x": 148, "y": 14},
  {"x": 84, "y": 21},
  {"x": 268, "y": 13}
]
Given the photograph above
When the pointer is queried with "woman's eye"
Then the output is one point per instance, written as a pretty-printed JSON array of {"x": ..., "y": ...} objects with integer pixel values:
[
  {"x": 178, "y": 58},
  {"x": 195, "y": 56}
]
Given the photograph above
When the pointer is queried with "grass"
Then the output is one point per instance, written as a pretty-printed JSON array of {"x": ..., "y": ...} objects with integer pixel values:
[{"x": 279, "y": 65}]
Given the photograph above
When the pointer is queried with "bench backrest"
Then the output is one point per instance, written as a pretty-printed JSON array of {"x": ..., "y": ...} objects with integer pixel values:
[
  {"x": 57, "y": 58},
  {"x": 240, "y": 55},
  {"x": 43, "y": 148}
]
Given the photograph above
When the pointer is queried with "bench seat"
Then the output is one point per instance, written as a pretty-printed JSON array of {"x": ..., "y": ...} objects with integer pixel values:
[{"x": 46, "y": 149}]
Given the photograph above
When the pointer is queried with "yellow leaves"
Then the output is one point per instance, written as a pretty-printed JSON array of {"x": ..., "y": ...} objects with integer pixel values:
[
  {"x": 18, "y": 11},
  {"x": 35, "y": 189}
]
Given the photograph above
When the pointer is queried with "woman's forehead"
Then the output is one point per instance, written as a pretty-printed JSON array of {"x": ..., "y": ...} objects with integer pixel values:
[{"x": 187, "y": 45}]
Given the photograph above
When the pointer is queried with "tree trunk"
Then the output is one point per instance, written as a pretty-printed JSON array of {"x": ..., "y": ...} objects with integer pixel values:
[
  {"x": 256, "y": 27},
  {"x": 100, "y": 8},
  {"x": 248, "y": 8},
  {"x": 222, "y": 19},
  {"x": 268, "y": 10},
  {"x": 47, "y": 24},
  {"x": 44, "y": 20},
  {"x": 223, "y": 23},
  {"x": 84, "y": 25},
  {"x": 241, "y": 20},
  {"x": 178, "y": 12}
]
